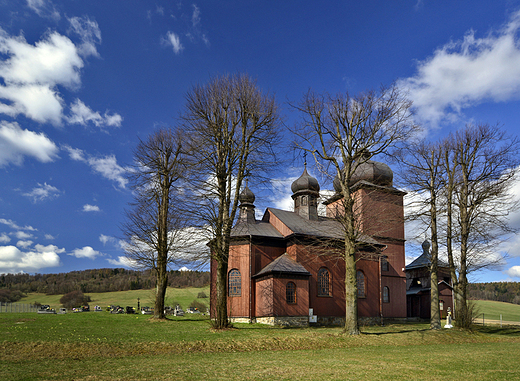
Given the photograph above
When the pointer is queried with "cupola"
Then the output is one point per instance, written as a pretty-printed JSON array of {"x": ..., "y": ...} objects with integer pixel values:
[
  {"x": 247, "y": 208},
  {"x": 370, "y": 171},
  {"x": 306, "y": 191}
]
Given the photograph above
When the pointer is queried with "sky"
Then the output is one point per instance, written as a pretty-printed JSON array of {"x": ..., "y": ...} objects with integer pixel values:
[{"x": 82, "y": 81}]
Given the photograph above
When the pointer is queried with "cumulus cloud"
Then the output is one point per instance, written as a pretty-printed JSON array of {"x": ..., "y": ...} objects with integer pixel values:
[
  {"x": 22, "y": 235},
  {"x": 82, "y": 114},
  {"x": 48, "y": 236},
  {"x": 467, "y": 72},
  {"x": 513, "y": 272},
  {"x": 122, "y": 261},
  {"x": 24, "y": 244},
  {"x": 16, "y": 144},
  {"x": 14, "y": 260},
  {"x": 106, "y": 166},
  {"x": 174, "y": 41},
  {"x": 4, "y": 238},
  {"x": 90, "y": 208},
  {"x": 32, "y": 75},
  {"x": 85, "y": 252},
  {"x": 43, "y": 192}
]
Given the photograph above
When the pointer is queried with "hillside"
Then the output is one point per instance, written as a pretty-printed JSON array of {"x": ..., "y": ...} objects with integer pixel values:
[{"x": 98, "y": 280}]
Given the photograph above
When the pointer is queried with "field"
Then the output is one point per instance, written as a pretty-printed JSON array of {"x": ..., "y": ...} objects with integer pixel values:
[
  {"x": 183, "y": 296},
  {"x": 492, "y": 311},
  {"x": 103, "y": 346}
]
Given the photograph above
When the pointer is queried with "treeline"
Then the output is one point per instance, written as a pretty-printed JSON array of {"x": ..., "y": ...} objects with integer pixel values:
[
  {"x": 498, "y": 291},
  {"x": 99, "y": 280}
]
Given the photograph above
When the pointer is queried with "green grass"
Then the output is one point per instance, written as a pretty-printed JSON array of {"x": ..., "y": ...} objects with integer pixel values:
[
  {"x": 103, "y": 346},
  {"x": 184, "y": 296},
  {"x": 492, "y": 310}
]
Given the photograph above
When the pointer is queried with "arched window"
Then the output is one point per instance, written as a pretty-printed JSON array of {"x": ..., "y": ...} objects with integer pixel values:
[
  {"x": 386, "y": 295},
  {"x": 290, "y": 293},
  {"x": 234, "y": 283},
  {"x": 324, "y": 282},
  {"x": 361, "y": 284}
]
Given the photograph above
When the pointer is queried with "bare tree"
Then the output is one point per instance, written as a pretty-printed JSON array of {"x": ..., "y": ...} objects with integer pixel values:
[
  {"x": 423, "y": 174},
  {"x": 485, "y": 163},
  {"x": 344, "y": 132},
  {"x": 232, "y": 128},
  {"x": 155, "y": 230}
]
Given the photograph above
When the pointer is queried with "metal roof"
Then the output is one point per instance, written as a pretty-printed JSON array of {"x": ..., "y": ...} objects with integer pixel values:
[{"x": 257, "y": 229}]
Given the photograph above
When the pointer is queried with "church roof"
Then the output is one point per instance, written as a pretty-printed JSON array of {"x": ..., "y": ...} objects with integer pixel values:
[
  {"x": 323, "y": 227},
  {"x": 284, "y": 264},
  {"x": 424, "y": 261},
  {"x": 257, "y": 229}
]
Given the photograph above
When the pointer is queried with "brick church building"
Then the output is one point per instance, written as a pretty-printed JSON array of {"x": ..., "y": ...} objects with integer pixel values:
[{"x": 285, "y": 269}]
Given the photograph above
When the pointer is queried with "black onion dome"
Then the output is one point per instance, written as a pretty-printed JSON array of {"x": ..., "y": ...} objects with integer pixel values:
[
  {"x": 305, "y": 183},
  {"x": 246, "y": 196},
  {"x": 371, "y": 171}
]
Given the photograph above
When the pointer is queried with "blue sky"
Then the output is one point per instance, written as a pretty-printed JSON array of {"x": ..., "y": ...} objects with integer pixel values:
[{"x": 82, "y": 81}]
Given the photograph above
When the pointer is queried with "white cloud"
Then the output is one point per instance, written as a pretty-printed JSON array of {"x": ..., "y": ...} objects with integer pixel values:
[
  {"x": 16, "y": 143},
  {"x": 467, "y": 72},
  {"x": 44, "y": 8},
  {"x": 89, "y": 33},
  {"x": 13, "y": 260},
  {"x": 173, "y": 40},
  {"x": 4, "y": 238},
  {"x": 122, "y": 261},
  {"x": 107, "y": 166},
  {"x": 195, "y": 17},
  {"x": 90, "y": 208},
  {"x": 82, "y": 114},
  {"x": 32, "y": 72},
  {"x": 86, "y": 252},
  {"x": 513, "y": 272},
  {"x": 15, "y": 226},
  {"x": 24, "y": 244},
  {"x": 43, "y": 192},
  {"x": 48, "y": 236},
  {"x": 107, "y": 239},
  {"x": 22, "y": 235}
]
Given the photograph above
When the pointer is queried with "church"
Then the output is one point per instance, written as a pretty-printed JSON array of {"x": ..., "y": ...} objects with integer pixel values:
[{"x": 286, "y": 269}]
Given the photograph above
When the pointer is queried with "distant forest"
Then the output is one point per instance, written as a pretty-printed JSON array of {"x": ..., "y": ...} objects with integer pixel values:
[
  {"x": 498, "y": 291},
  {"x": 99, "y": 280}
]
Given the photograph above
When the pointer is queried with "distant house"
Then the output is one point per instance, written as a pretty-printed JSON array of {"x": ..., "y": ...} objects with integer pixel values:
[
  {"x": 418, "y": 286},
  {"x": 286, "y": 267}
]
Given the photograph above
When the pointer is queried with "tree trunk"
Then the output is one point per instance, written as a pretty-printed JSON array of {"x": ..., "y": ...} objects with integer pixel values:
[
  {"x": 160, "y": 293},
  {"x": 351, "y": 306},
  {"x": 221, "y": 317},
  {"x": 435, "y": 313}
]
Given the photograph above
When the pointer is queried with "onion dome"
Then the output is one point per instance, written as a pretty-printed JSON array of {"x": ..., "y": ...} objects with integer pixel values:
[
  {"x": 305, "y": 183},
  {"x": 426, "y": 247},
  {"x": 370, "y": 171},
  {"x": 246, "y": 196}
]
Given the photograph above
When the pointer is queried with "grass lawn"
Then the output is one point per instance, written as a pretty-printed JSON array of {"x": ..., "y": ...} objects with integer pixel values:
[{"x": 103, "y": 346}]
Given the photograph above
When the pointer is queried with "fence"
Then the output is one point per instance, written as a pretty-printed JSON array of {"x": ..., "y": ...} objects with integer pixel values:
[
  {"x": 18, "y": 307},
  {"x": 489, "y": 319}
]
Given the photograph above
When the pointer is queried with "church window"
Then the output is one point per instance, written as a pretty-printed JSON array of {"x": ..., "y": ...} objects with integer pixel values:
[
  {"x": 324, "y": 282},
  {"x": 234, "y": 283},
  {"x": 290, "y": 293},
  {"x": 361, "y": 284},
  {"x": 441, "y": 305},
  {"x": 384, "y": 264},
  {"x": 304, "y": 201},
  {"x": 386, "y": 295}
]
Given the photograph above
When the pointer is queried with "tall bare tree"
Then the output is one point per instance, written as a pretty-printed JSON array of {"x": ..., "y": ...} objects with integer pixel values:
[
  {"x": 155, "y": 231},
  {"x": 485, "y": 164},
  {"x": 343, "y": 132},
  {"x": 423, "y": 173},
  {"x": 231, "y": 127}
]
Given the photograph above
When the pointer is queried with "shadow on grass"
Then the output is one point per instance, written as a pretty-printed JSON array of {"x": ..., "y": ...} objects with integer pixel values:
[{"x": 494, "y": 330}]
